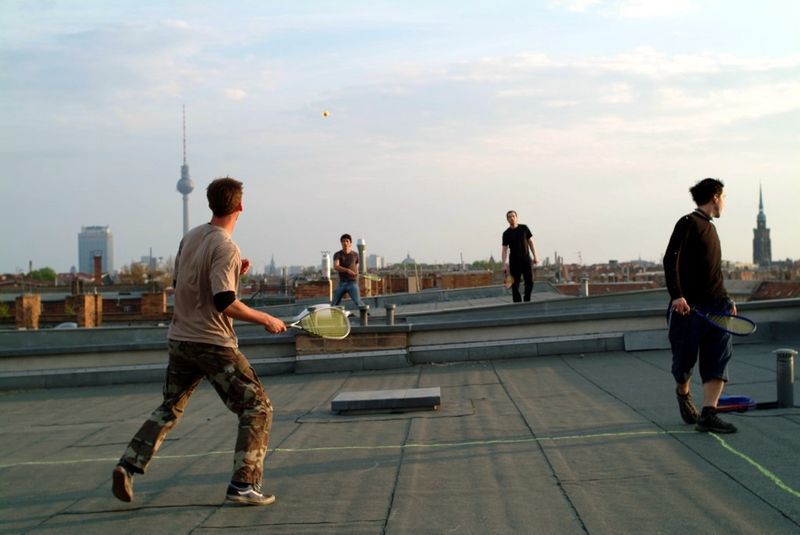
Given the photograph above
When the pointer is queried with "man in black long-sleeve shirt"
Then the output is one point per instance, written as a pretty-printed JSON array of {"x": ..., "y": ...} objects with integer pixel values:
[{"x": 693, "y": 270}]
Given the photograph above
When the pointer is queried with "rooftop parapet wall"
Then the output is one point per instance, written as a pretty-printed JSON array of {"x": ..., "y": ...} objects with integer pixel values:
[
  {"x": 30, "y": 359},
  {"x": 557, "y": 306},
  {"x": 559, "y": 315},
  {"x": 317, "y": 290},
  {"x": 468, "y": 279}
]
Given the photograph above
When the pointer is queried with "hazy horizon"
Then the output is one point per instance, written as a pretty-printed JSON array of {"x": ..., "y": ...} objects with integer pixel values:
[{"x": 591, "y": 118}]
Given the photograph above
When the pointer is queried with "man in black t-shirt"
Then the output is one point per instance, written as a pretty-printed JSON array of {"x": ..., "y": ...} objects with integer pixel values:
[
  {"x": 693, "y": 271},
  {"x": 346, "y": 263},
  {"x": 517, "y": 241}
]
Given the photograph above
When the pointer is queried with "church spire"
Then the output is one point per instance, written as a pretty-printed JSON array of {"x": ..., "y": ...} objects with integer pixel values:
[{"x": 762, "y": 245}]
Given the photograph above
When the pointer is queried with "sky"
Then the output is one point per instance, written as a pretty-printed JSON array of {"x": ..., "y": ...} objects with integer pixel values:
[{"x": 590, "y": 118}]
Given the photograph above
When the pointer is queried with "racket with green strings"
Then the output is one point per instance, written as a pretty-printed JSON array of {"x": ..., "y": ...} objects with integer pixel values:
[{"x": 325, "y": 321}]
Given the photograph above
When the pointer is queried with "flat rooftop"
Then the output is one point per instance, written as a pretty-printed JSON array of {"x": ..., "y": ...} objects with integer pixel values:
[{"x": 579, "y": 443}]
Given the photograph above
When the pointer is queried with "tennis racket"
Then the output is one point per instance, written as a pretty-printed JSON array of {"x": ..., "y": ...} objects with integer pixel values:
[
  {"x": 370, "y": 276},
  {"x": 325, "y": 321},
  {"x": 508, "y": 281},
  {"x": 736, "y": 325}
]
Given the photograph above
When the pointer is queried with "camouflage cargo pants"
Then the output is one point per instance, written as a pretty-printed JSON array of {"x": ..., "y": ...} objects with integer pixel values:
[{"x": 237, "y": 385}]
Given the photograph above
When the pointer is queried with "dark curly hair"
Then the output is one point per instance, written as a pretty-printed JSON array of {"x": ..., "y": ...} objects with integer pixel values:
[{"x": 704, "y": 191}]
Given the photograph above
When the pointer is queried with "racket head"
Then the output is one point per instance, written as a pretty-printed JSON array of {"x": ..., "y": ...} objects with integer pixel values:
[
  {"x": 371, "y": 277},
  {"x": 508, "y": 281},
  {"x": 736, "y": 325},
  {"x": 325, "y": 321}
]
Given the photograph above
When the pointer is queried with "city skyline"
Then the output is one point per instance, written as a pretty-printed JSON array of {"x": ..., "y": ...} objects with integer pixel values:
[{"x": 415, "y": 128}]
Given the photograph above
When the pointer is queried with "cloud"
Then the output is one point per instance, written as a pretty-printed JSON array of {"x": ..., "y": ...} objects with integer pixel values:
[
  {"x": 628, "y": 9},
  {"x": 618, "y": 93},
  {"x": 181, "y": 24},
  {"x": 496, "y": 69},
  {"x": 646, "y": 61},
  {"x": 651, "y": 9},
  {"x": 235, "y": 94},
  {"x": 723, "y": 106},
  {"x": 623, "y": 112},
  {"x": 576, "y": 6},
  {"x": 103, "y": 64},
  {"x": 635, "y": 93}
]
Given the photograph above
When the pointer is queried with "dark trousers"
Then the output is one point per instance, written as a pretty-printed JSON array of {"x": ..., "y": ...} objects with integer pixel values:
[
  {"x": 237, "y": 385},
  {"x": 695, "y": 341},
  {"x": 521, "y": 271}
]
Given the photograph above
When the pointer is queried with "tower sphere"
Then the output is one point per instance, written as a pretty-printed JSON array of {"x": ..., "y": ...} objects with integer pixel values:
[{"x": 185, "y": 184}]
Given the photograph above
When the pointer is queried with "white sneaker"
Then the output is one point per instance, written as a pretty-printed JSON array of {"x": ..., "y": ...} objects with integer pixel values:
[{"x": 248, "y": 495}]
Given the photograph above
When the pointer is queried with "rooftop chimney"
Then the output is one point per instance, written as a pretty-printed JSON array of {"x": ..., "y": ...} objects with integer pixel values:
[{"x": 98, "y": 269}]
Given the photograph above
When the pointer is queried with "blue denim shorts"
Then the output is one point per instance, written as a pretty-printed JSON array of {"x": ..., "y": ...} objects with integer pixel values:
[{"x": 695, "y": 341}]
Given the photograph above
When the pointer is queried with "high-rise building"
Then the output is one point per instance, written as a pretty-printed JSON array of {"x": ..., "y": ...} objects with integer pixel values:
[
  {"x": 762, "y": 246},
  {"x": 95, "y": 241}
]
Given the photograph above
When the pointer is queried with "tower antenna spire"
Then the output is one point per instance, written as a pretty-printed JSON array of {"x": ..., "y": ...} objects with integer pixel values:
[{"x": 184, "y": 134}]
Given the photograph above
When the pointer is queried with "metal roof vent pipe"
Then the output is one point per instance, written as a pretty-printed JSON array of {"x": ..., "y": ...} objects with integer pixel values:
[
  {"x": 784, "y": 368},
  {"x": 326, "y": 265},
  {"x": 390, "y": 310},
  {"x": 362, "y": 255}
]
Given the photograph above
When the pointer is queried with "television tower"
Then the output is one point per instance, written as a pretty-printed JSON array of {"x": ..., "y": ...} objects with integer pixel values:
[{"x": 185, "y": 184}]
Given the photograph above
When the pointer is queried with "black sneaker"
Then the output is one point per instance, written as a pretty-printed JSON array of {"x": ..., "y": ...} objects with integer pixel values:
[
  {"x": 248, "y": 495},
  {"x": 687, "y": 408},
  {"x": 122, "y": 484},
  {"x": 710, "y": 422}
]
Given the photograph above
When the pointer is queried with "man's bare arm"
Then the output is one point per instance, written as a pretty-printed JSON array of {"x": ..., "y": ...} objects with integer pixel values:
[{"x": 239, "y": 311}]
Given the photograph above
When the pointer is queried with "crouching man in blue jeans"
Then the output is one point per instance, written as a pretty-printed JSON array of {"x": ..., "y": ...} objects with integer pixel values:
[{"x": 346, "y": 263}]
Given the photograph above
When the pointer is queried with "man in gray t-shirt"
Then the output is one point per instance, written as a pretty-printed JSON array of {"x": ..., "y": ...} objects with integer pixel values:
[
  {"x": 202, "y": 344},
  {"x": 345, "y": 262}
]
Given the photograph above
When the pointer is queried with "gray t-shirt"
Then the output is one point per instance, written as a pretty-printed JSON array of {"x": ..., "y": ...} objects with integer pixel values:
[
  {"x": 208, "y": 262},
  {"x": 346, "y": 260}
]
